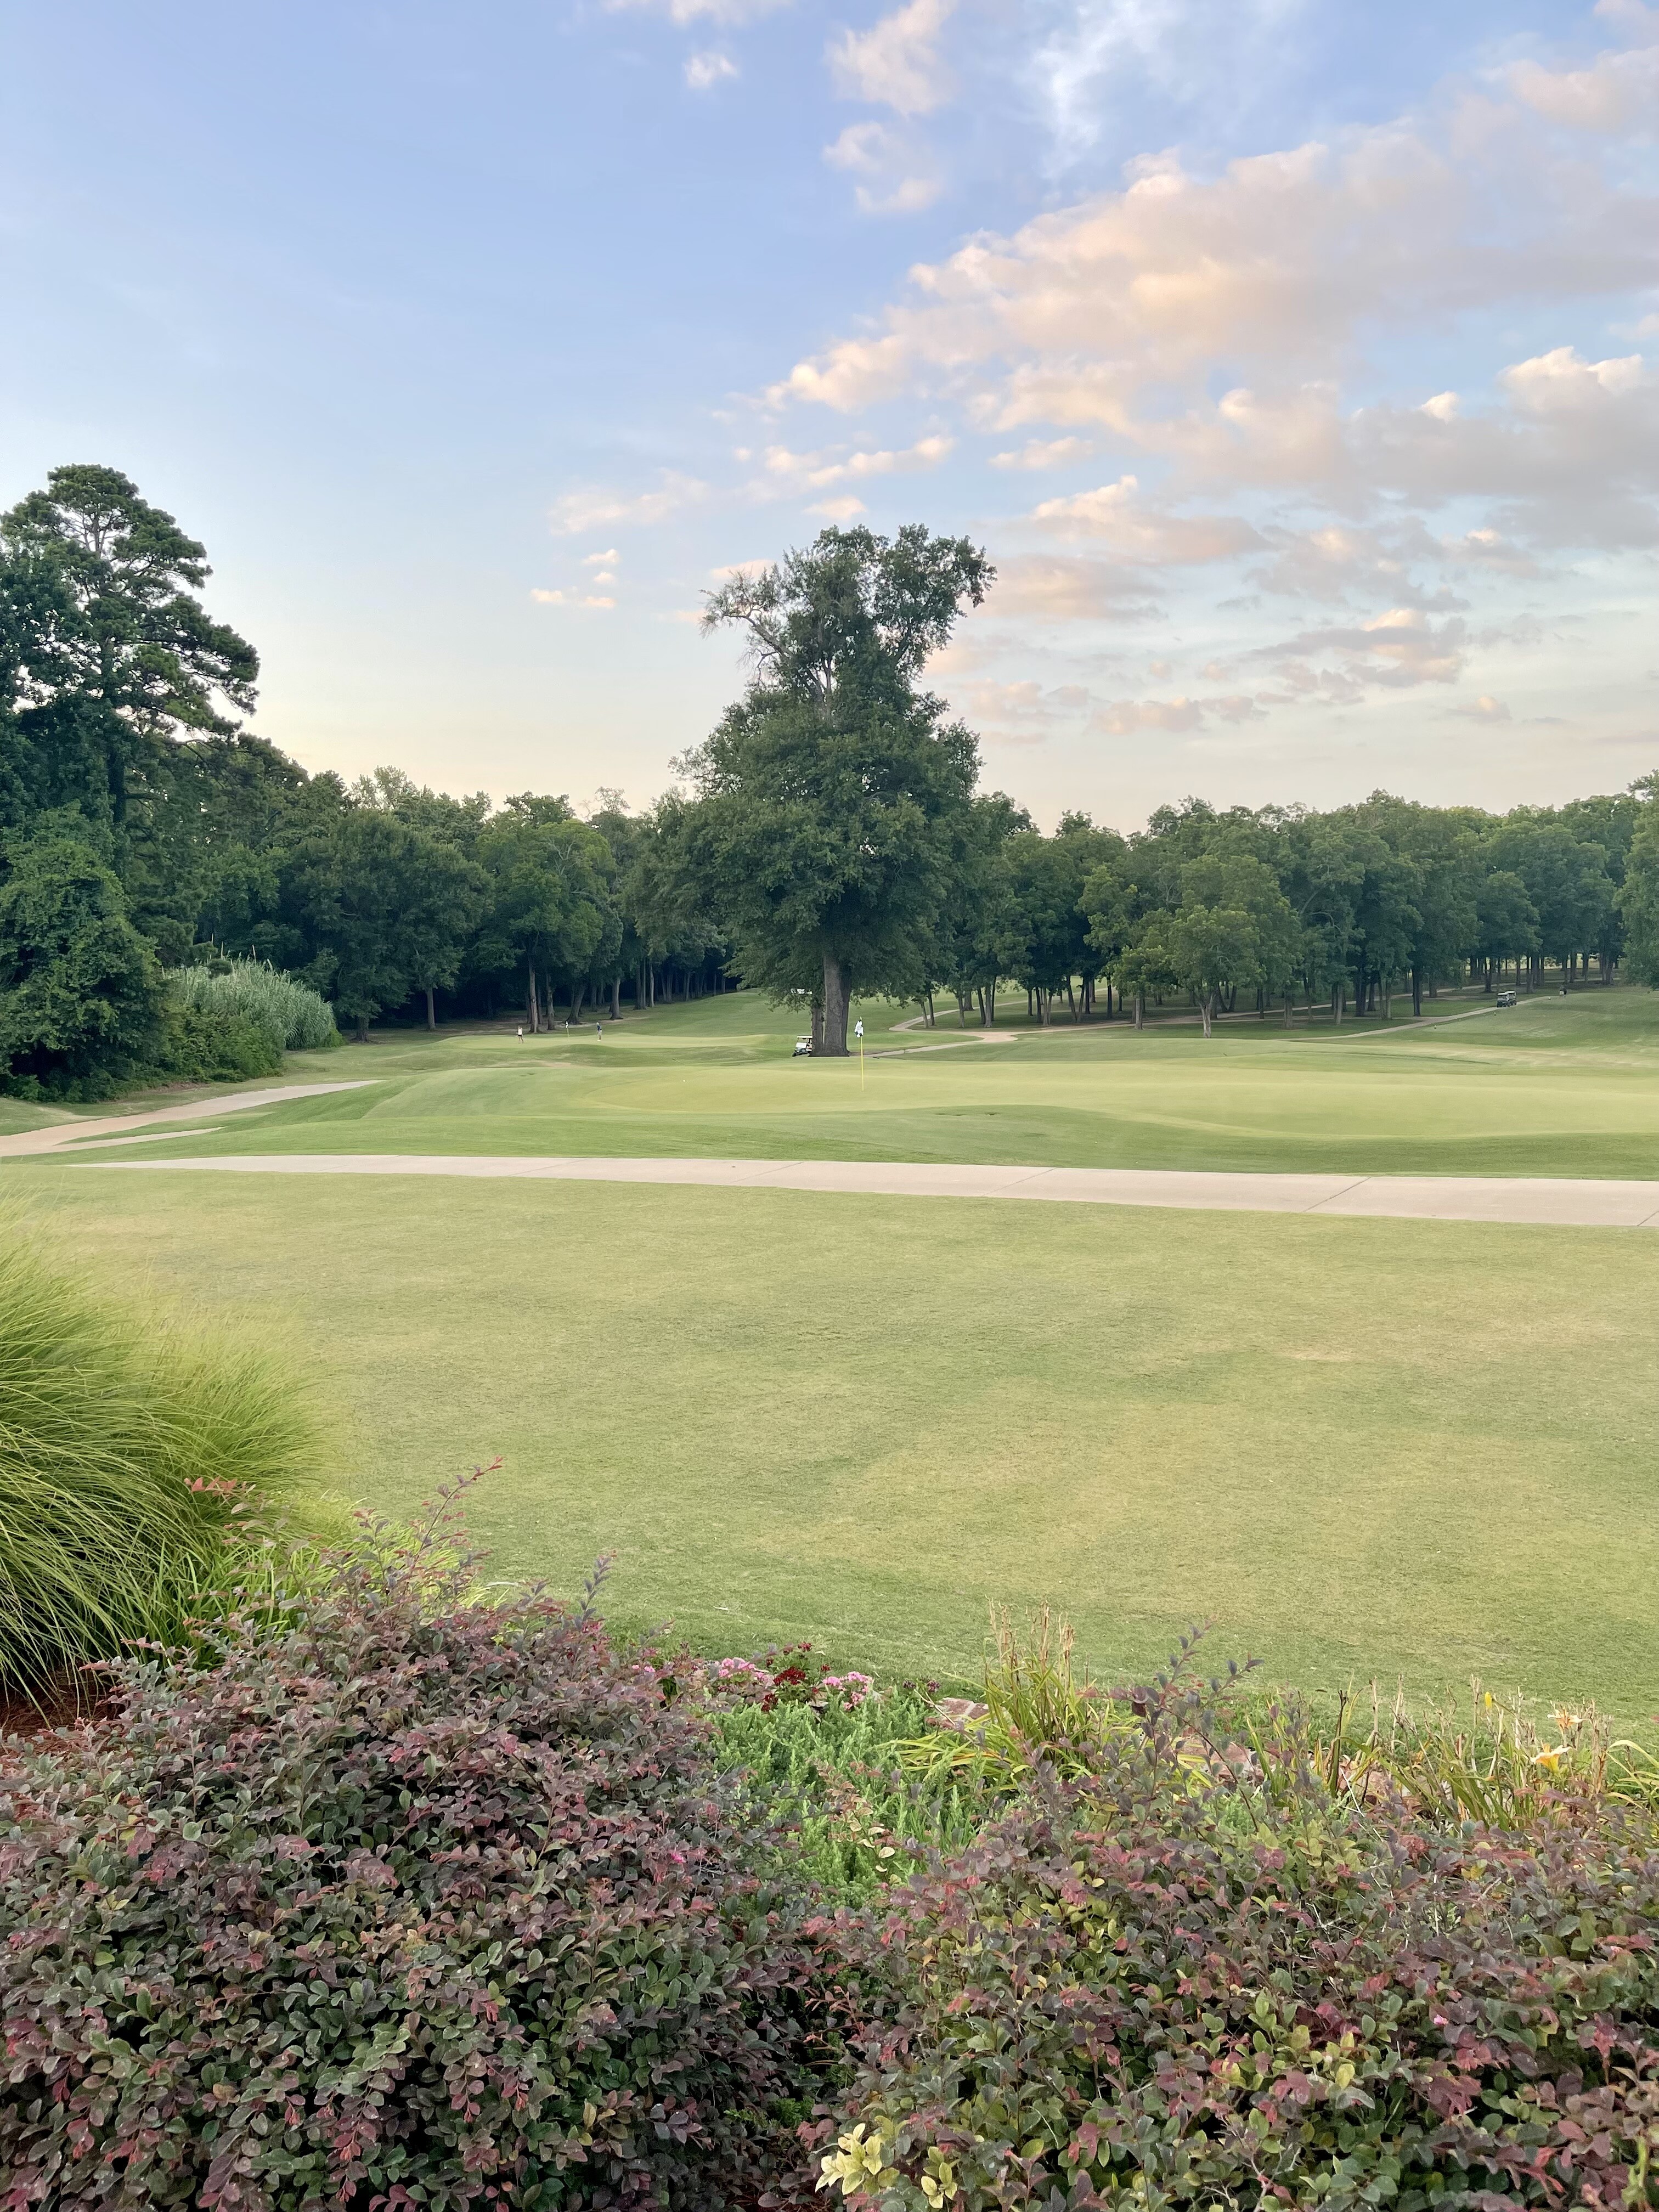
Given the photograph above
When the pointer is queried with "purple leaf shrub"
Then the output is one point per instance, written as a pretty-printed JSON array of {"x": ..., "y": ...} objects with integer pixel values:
[{"x": 412, "y": 1903}]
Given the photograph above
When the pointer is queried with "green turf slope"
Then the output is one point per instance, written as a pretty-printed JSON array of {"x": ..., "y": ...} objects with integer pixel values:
[
  {"x": 1400, "y": 1449},
  {"x": 1557, "y": 1087}
]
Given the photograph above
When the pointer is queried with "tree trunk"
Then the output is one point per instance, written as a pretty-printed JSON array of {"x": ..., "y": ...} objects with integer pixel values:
[
  {"x": 616, "y": 998},
  {"x": 533, "y": 1002},
  {"x": 818, "y": 1025},
  {"x": 1140, "y": 1010},
  {"x": 431, "y": 1018},
  {"x": 991, "y": 1000},
  {"x": 1071, "y": 999},
  {"x": 363, "y": 1029},
  {"x": 1205, "y": 1008},
  {"x": 1290, "y": 1001},
  {"x": 836, "y": 1003},
  {"x": 578, "y": 994},
  {"x": 1416, "y": 993}
]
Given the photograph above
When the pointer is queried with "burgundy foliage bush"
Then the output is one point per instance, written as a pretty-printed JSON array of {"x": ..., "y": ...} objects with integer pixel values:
[
  {"x": 416, "y": 1904},
  {"x": 1210, "y": 1987}
]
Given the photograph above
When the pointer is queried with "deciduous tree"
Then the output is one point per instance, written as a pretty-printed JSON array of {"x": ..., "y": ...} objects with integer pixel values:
[{"x": 827, "y": 795}]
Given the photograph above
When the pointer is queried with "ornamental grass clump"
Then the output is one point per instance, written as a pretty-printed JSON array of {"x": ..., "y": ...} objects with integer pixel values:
[
  {"x": 291, "y": 1014},
  {"x": 417, "y": 1902},
  {"x": 1202, "y": 1976},
  {"x": 1034, "y": 1714},
  {"x": 130, "y": 1454}
]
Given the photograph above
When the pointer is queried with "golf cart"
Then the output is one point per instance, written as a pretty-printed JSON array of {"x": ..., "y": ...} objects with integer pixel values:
[{"x": 803, "y": 1048}]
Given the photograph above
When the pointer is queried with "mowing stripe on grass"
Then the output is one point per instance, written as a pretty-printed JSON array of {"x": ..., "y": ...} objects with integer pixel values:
[{"x": 1536, "y": 1199}]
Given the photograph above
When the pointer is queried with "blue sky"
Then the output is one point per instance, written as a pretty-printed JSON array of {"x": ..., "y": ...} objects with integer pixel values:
[{"x": 1298, "y": 362}]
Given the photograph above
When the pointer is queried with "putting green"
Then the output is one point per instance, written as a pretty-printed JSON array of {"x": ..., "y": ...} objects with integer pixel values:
[{"x": 1557, "y": 1087}]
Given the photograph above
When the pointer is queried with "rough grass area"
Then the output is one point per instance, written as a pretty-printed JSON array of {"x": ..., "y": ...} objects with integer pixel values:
[
  {"x": 1408, "y": 1448},
  {"x": 1552, "y": 1087}
]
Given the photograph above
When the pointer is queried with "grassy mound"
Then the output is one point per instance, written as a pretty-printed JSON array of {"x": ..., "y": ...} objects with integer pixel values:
[{"x": 129, "y": 1454}]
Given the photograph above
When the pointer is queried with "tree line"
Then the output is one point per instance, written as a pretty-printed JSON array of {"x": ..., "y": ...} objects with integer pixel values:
[{"x": 828, "y": 838}]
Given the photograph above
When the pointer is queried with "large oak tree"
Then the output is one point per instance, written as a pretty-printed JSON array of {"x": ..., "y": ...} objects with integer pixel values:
[{"x": 828, "y": 793}]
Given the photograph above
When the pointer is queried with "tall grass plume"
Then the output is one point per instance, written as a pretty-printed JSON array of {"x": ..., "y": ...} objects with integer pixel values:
[
  {"x": 131, "y": 1455},
  {"x": 295, "y": 1018}
]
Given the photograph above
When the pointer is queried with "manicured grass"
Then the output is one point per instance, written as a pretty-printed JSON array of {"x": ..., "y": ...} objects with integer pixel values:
[
  {"x": 17, "y": 1115},
  {"x": 1400, "y": 1449},
  {"x": 1555, "y": 1086}
]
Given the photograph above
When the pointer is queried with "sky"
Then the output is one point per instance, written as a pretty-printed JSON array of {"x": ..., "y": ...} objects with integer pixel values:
[{"x": 1296, "y": 361}]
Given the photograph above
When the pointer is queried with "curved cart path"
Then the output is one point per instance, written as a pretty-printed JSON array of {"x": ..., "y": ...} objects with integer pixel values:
[
  {"x": 1558, "y": 1201},
  {"x": 103, "y": 1129}
]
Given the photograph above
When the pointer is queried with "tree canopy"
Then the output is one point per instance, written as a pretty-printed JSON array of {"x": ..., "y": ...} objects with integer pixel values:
[
  {"x": 828, "y": 837},
  {"x": 831, "y": 795}
]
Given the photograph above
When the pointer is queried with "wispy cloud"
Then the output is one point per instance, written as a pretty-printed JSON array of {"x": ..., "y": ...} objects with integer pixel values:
[
  {"x": 597, "y": 508},
  {"x": 896, "y": 64},
  {"x": 546, "y": 598},
  {"x": 685, "y": 12},
  {"x": 894, "y": 175},
  {"x": 1044, "y": 453}
]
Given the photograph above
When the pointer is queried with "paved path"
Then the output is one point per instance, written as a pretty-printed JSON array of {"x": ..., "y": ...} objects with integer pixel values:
[
  {"x": 57, "y": 1133},
  {"x": 1414, "y": 1198}
]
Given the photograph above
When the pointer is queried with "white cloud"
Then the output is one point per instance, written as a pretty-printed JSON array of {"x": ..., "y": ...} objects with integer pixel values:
[
  {"x": 1044, "y": 453},
  {"x": 1488, "y": 550},
  {"x": 787, "y": 472},
  {"x": 1115, "y": 314},
  {"x": 606, "y": 559},
  {"x": 704, "y": 71},
  {"x": 1617, "y": 90},
  {"x": 596, "y": 509},
  {"x": 893, "y": 176},
  {"x": 1100, "y": 58},
  {"x": 1559, "y": 380},
  {"x": 1123, "y": 717},
  {"x": 1636, "y": 19},
  {"x": 1397, "y": 649},
  {"x": 569, "y": 599},
  {"x": 897, "y": 62},
  {"x": 1207, "y": 330},
  {"x": 1337, "y": 559},
  {"x": 1116, "y": 514},
  {"x": 683, "y": 12},
  {"x": 1065, "y": 588},
  {"x": 1022, "y": 712},
  {"x": 838, "y": 510},
  {"x": 1486, "y": 708}
]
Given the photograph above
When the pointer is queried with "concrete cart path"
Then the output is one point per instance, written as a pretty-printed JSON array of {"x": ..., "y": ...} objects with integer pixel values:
[
  {"x": 59, "y": 1133},
  {"x": 1559, "y": 1201}
]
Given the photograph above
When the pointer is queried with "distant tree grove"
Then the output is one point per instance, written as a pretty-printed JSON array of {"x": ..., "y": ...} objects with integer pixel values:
[{"x": 828, "y": 838}]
